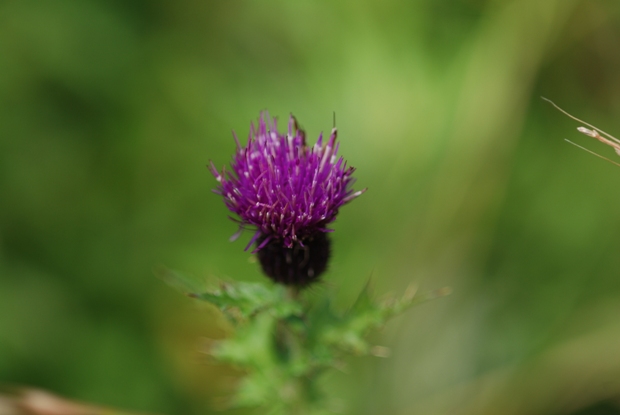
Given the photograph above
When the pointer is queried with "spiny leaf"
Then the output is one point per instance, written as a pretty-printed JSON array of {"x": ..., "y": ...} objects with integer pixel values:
[
  {"x": 251, "y": 346},
  {"x": 348, "y": 332},
  {"x": 238, "y": 300},
  {"x": 251, "y": 298}
]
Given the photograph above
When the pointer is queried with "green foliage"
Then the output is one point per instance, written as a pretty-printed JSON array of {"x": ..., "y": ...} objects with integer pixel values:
[{"x": 284, "y": 344}]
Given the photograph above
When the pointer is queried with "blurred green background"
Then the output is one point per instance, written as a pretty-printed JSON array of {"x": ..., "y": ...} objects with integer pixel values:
[{"x": 110, "y": 111}]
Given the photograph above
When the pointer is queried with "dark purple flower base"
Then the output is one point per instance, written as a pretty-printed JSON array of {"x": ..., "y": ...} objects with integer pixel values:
[{"x": 297, "y": 266}]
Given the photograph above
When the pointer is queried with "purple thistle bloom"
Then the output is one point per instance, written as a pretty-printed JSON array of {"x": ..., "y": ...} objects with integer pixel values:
[{"x": 289, "y": 193}]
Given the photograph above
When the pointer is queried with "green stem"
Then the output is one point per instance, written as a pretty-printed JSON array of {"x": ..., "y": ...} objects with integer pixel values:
[{"x": 290, "y": 345}]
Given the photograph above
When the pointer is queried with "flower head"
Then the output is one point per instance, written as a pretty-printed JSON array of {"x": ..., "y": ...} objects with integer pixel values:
[{"x": 289, "y": 192}]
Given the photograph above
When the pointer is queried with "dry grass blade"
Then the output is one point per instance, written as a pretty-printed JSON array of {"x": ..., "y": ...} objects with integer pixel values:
[
  {"x": 30, "y": 401},
  {"x": 592, "y": 132},
  {"x": 593, "y": 153}
]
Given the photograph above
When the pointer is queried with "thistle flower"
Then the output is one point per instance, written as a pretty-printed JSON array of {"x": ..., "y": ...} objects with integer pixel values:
[{"x": 289, "y": 193}]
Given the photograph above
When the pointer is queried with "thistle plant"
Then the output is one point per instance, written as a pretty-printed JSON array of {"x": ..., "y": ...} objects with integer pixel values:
[{"x": 288, "y": 193}]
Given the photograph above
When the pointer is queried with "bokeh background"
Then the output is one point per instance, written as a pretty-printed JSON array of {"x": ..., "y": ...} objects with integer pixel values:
[{"x": 110, "y": 111}]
